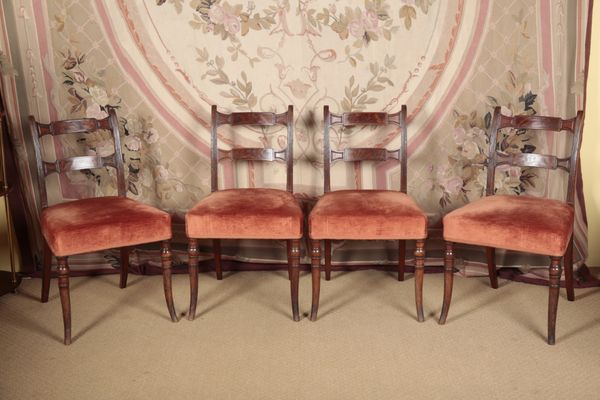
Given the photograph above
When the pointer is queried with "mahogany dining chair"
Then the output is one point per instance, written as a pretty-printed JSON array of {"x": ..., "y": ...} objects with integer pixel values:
[
  {"x": 520, "y": 223},
  {"x": 357, "y": 214},
  {"x": 95, "y": 223},
  {"x": 247, "y": 213}
]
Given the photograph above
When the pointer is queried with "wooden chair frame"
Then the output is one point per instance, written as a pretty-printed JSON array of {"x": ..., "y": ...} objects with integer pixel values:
[
  {"x": 63, "y": 165},
  {"x": 569, "y": 164},
  {"x": 357, "y": 155},
  {"x": 248, "y": 154}
]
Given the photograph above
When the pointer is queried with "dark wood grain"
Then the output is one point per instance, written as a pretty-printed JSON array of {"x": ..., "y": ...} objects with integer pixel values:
[
  {"x": 540, "y": 125},
  {"x": 554, "y": 288},
  {"x": 166, "y": 257},
  {"x": 64, "y": 165},
  {"x": 419, "y": 272},
  {"x": 260, "y": 119},
  {"x": 535, "y": 125},
  {"x": 364, "y": 154},
  {"x": 357, "y": 155},
  {"x": 364, "y": 118},
  {"x": 252, "y": 154},
  {"x": 193, "y": 255},
  {"x": 65, "y": 298},
  {"x": 315, "y": 257},
  {"x": 124, "y": 267},
  {"x": 294, "y": 264},
  {"x": 490, "y": 254},
  {"x": 448, "y": 281},
  {"x": 85, "y": 162}
]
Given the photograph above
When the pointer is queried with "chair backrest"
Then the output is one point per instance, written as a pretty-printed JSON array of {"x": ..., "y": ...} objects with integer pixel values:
[
  {"x": 535, "y": 123},
  {"x": 63, "y": 165},
  {"x": 252, "y": 154},
  {"x": 364, "y": 153}
]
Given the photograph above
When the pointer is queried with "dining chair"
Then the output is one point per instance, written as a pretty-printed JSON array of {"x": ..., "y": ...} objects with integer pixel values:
[
  {"x": 520, "y": 223},
  {"x": 358, "y": 214},
  {"x": 247, "y": 213},
  {"x": 95, "y": 223}
]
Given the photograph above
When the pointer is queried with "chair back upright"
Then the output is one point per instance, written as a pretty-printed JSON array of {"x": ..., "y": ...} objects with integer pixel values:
[
  {"x": 354, "y": 154},
  {"x": 77, "y": 163},
  {"x": 262, "y": 119},
  {"x": 535, "y": 124}
]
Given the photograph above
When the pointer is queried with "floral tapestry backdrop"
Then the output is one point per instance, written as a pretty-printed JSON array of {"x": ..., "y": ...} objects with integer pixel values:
[{"x": 163, "y": 63}]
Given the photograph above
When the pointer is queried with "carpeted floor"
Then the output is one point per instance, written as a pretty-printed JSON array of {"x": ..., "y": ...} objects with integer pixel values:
[{"x": 244, "y": 345}]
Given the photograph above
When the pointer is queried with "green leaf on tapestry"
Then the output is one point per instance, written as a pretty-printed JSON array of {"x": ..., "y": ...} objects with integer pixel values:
[
  {"x": 423, "y": 5},
  {"x": 374, "y": 68},
  {"x": 408, "y": 13},
  {"x": 252, "y": 100}
]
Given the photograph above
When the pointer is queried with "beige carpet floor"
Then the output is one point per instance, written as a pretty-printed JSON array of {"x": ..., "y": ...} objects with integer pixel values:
[{"x": 244, "y": 345}]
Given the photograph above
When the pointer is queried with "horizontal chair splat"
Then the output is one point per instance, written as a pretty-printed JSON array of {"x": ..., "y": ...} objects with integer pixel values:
[
  {"x": 247, "y": 118},
  {"x": 533, "y": 160},
  {"x": 252, "y": 154},
  {"x": 365, "y": 154},
  {"x": 83, "y": 125},
  {"x": 536, "y": 122},
  {"x": 78, "y": 163}
]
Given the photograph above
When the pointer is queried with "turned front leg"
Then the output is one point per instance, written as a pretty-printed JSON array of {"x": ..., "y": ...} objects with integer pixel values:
[
  {"x": 419, "y": 272},
  {"x": 65, "y": 299},
  {"x": 315, "y": 256},
  {"x": 193, "y": 255},
  {"x": 554, "y": 288},
  {"x": 294, "y": 270}
]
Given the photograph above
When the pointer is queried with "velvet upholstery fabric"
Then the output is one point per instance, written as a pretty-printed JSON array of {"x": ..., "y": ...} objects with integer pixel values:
[
  {"x": 245, "y": 214},
  {"x": 88, "y": 225},
  {"x": 367, "y": 214},
  {"x": 521, "y": 223}
]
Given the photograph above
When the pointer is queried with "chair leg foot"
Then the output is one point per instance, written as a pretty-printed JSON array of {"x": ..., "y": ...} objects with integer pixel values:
[
  {"x": 167, "y": 260},
  {"x": 46, "y": 272},
  {"x": 448, "y": 281},
  {"x": 193, "y": 255},
  {"x": 419, "y": 273},
  {"x": 294, "y": 267},
  {"x": 553, "y": 291},
  {"x": 65, "y": 299},
  {"x": 315, "y": 256}
]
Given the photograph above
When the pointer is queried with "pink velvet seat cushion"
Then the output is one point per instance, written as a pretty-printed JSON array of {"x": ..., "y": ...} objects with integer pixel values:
[
  {"x": 88, "y": 225},
  {"x": 367, "y": 214},
  {"x": 521, "y": 223},
  {"x": 245, "y": 214}
]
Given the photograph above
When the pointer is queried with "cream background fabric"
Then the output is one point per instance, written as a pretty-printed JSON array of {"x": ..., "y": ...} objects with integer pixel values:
[{"x": 163, "y": 63}]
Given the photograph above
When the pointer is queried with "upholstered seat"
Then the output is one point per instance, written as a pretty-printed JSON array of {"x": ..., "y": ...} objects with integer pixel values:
[
  {"x": 518, "y": 223},
  {"x": 246, "y": 214},
  {"x": 93, "y": 224},
  {"x": 367, "y": 214}
]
